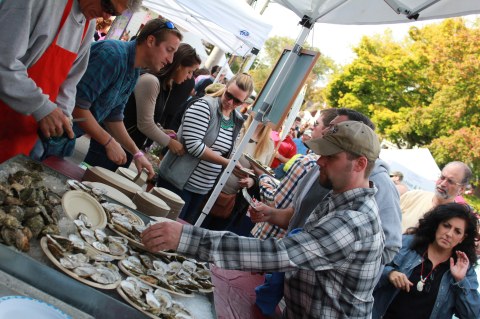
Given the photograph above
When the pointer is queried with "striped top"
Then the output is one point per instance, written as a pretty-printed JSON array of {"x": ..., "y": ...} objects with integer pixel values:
[{"x": 195, "y": 124}]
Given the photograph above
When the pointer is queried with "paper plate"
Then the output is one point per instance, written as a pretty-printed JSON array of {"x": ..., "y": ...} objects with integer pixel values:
[
  {"x": 113, "y": 193},
  {"x": 103, "y": 175},
  {"x": 167, "y": 194},
  {"x": 90, "y": 252},
  {"x": 76, "y": 202},
  {"x": 20, "y": 307},
  {"x": 125, "y": 172},
  {"x": 154, "y": 200},
  {"x": 258, "y": 165}
]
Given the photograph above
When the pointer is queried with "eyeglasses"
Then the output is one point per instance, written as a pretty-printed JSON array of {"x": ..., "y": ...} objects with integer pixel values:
[
  {"x": 109, "y": 8},
  {"x": 449, "y": 181},
  {"x": 315, "y": 124},
  {"x": 229, "y": 96}
]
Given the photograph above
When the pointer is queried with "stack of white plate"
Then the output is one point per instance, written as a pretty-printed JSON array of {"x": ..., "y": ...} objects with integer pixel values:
[
  {"x": 112, "y": 193},
  {"x": 133, "y": 176},
  {"x": 150, "y": 204},
  {"x": 105, "y": 176},
  {"x": 175, "y": 202}
]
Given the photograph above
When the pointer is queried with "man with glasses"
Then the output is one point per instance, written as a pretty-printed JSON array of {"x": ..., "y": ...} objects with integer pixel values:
[
  {"x": 112, "y": 72},
  {"x": 454, "y": 178},
  {"x": 45, "y": 47}
]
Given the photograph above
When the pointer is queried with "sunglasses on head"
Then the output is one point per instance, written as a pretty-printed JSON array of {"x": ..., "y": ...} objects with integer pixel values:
[
  {"x": 164, "y": 25},
  {"x": 229, "y": 96},
  {"x": 109, "y": 8}
]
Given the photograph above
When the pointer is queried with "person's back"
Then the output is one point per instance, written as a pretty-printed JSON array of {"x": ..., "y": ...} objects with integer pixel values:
[
  {"x": 413, "y": 205},
  {"x": 386, "y": 198}
]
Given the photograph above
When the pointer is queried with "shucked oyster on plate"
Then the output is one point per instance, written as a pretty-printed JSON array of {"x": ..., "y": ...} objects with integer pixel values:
[
  {"x": 156, "y": 302},
  {"x": 86, "y": 263}
]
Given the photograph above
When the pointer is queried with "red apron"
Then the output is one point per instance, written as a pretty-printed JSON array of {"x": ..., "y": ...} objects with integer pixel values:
[{"x": 18, "y": 132}]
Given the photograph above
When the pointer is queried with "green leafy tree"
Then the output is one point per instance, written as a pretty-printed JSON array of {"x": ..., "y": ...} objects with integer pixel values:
[{"x": 422, "y": 91}]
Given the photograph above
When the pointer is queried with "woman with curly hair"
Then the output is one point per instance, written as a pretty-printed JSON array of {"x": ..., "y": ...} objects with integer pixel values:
[{"x": 432, "y": 276}]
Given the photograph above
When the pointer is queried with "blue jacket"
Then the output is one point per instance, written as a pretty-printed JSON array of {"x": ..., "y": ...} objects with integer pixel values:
[{"x": 461, "y": 298}]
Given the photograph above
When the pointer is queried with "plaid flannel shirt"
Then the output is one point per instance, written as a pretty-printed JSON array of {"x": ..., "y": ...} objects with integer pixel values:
[
  {"x": 108, "y": 81},
  {"x": 330, "y": 267},
  {"x": 281, "y": 195}
]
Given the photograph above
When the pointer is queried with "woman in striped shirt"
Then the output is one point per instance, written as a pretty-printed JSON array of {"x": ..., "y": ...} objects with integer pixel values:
[{"x": 209, "y": 129}]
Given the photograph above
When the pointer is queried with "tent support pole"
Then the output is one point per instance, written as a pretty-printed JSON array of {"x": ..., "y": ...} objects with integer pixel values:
[{"x": 259, "y": 116}]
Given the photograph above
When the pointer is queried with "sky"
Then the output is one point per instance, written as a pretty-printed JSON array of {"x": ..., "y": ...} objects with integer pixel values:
[{"x": 335, "y": 41}]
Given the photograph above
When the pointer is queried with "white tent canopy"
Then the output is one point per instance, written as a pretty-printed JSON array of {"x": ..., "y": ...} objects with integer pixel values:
[
  {"x": 232, "y": 25},
  {"x": 379, "y": 11},
  {"x": 420, "y": 171},
  {"x": 196, "y": 43}
]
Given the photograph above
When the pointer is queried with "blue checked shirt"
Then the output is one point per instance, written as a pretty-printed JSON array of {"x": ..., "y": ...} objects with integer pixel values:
[
  {"x": 109, "y": 80},
  {"x": 330, "y": 267}
]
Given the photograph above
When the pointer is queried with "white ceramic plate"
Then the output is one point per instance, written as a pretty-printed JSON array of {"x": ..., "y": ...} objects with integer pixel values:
[
  {"x": 21, "y": 307},
  {"x": 75, "y": 202},
  {"x": 113, "y": 193}
]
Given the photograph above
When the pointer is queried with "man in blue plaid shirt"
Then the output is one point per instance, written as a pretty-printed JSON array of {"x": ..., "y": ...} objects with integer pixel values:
[{"x": 332, "y": 264}]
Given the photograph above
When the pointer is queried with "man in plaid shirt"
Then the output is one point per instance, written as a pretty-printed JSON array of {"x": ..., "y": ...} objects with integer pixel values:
[{"x": 332, "y": 264}]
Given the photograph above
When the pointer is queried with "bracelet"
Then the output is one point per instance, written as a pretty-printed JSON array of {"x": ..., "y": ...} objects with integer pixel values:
[
  {"x": 138, "y": 155},
  {"x": 108, "y": 142}
]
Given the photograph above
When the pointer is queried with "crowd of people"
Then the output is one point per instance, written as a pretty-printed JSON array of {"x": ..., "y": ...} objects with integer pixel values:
[{"x": 338, "y": 233}]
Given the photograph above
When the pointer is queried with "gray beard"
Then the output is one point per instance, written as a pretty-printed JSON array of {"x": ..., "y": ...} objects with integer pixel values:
[{"x": 443, "y": 196}]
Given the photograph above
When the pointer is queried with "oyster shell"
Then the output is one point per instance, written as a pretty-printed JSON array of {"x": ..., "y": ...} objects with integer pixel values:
[
  {"x": 50, "y": 229},
  {"x": 100, "y": 246},
  {"x": 74, "y": 261},
  {"x": 160, "y": 266},
  {"x": 146, "y": 261},
  {"x": 189, "y": 266},
  {"x": 131, "y": 289},
  {"x": 143, "y": 286},
  {"x": 101, "y": 235},
  {"x": 163, "y": 297},
  {"x": 85, "y": 271},
  {"x": 202, "y": 274},
  {"x": 8, "y": 236},
  {"x": 88, "y": 235},
  {"x": 117, "y": 239},
  {"x": 84, "y": 218},
  {"x": 117, "y": 249},
  {"x": 152, "y": 301},
  {"x": 11, "y": 222},
  {"x": 77, "y": 242},
  {"x": 104, "y": 275},
  {"x": 35, "y": 224},
  {"x": 174, "y": 267},
  {"x": 133, "y": 267},
  {"x": 102, "y": 257}
]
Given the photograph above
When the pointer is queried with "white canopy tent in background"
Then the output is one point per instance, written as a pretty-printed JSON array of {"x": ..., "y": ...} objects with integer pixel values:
[
  {"x": 379, "y": 11},
  {"x": 417, "y": 166},
  {"x": 232, "y": 25},
  {"x": 340, "y": 12},
  {"x": 196, "y": 42}
]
